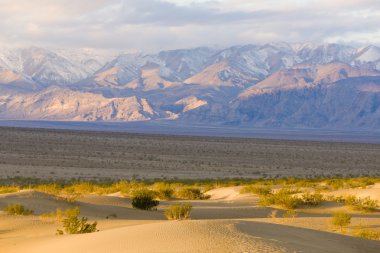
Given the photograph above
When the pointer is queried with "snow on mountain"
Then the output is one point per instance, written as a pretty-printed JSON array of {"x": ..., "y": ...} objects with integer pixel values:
[
  {"x": 368, "y": 54},
  {"x": 49, "y": 67},
  {"x": 276, "y": 84},
  {"x": 184, "y": 63},
  {"x": 88, "y": 59},
  {"x": 306, "y": 76}
]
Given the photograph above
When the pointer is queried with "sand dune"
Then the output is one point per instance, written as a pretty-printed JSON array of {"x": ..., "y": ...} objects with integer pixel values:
[
  {"x": 372, "y": 191},
  {"x": 204, "y": 236},
  {"x": 228, "y": 222},
  {"x": 185, "y": 236}
]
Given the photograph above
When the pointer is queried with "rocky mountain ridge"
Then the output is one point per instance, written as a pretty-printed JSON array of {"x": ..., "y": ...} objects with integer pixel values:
[{"x": 276, "y": 85}]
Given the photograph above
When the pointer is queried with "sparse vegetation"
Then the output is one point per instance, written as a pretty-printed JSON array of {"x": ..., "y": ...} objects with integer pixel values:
[
  {"x": 283, "y": 198},
  {"x": 144, "y": 199},
  {"x": 178, "y": 211},
  {"x": 290, "y": 214},
  {"x": 17, "y": 209},
  {"x": 261, "y": 190},
  {"x": 312, "y": 199},
  {"x": 69, "y": 193},
  {"x": 366, "y": 233},
  {"x": 164, "y": 190},
  {"x": 58, "y": 215},
  {"x": 191, "y": 193},
  {"x": 341, "y": 220},
  {"x": 360, "y": 204},
  {"x": 72, "y": 224},
  {"x": 71, "y": 190},
  {"x": 8, "y": 189},
  {"x": 273, "y": 214}
]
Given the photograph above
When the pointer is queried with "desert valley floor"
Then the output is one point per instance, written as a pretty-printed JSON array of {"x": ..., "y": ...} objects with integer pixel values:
[{"x": 89, "y": 155}]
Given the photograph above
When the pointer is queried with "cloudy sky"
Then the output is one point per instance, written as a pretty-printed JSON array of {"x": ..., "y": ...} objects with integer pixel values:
[{"x": 152, "y": 25}]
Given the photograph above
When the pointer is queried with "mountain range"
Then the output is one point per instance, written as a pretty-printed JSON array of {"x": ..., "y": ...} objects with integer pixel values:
[{"x": 277, "y": 85}]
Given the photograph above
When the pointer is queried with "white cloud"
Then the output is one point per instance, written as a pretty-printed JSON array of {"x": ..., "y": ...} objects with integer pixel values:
[{"x": 155, "y": 24}]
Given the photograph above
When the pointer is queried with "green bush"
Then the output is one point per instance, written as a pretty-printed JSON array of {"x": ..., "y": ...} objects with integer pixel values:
[
  {"x": 58, "y": 215},
  {"x": 192, "y": 193},
  {"x": 366, "y": 233},
  {"x": 257, "y": 189},
  {"x": 52, "y": 189},
  {"x": 178, "y": 211},
  {"x": 335, "y": 184},
  {"x": 164, "y": 191},
  {"x": 312, "y": 199},
  {"x": 144, "y": 199},
  {"x": 360, "y": 204},
  {"x": 365, "y": 204},
  {"x": 341, "y": 219},
  {"x": 283, "y": 198},
  {"x": 8, "y": 189},
  {"x": 70, "y": 195},
  {"x": 74, "y": 225},
  {"x": 83, "y": 187},
  {"x": 165, "y": 194},
  {"x": 17, "y": 209}
]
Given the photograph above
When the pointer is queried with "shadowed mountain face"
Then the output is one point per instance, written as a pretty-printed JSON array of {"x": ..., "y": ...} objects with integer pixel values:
[{"x": 273, "y": 85}]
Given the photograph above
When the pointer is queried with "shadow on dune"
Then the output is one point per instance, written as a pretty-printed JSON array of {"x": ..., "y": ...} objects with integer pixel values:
[{"x": 307, "y": 240}]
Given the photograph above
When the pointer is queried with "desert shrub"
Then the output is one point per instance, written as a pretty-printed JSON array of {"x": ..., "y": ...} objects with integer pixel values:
[
  {"x": 83, "y": 187},
  {"x": 360, "y": 204},
  {"x": 350, "y": 200},
  {"x": 290, "y": 214},
  {"x": 165, "y": 194},
  {"x": 69, "y": 195},
  {"x": 267, "y": 200},
  {"x": 72, "y": 224},
  {"x": 144, "y": 199},
  {"x": 335, "y": 184},
  {"x": 360, "y": 182},
  {"x": 283, "y": 198},
  {"x": 58, "y": 215},
  {"x": 8, "y": 189},
  {"x": 257, "y": 189},
  {"x": 164, "y": 191},
  {"x": 366, "y": 233},
  {"x": 287, "y": 201},
  {"x": 178, "y": 211},
  {"x": 192, "y": 193},
  {"x": 52, "y": 189},
  {"x": 306, "y": 184},
  {"x": 312, "y": 199},
  {"x": 365, "y": 204},
  {"x": 17, "y": 209},
  {"x": 128, "y": 187},
  {"x": 341, "y": 219}
]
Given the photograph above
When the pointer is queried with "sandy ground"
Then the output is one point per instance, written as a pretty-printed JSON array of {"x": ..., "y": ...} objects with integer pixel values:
[{"x": 228, "y": 222}]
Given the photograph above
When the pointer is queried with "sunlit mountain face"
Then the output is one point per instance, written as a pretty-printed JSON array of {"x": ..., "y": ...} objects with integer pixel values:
[{"x": 270, "y": 85}]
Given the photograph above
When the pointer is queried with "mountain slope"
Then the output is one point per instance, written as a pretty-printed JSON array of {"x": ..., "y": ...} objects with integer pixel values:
[
  {"x": 276, "y": 85},
  {"x": 56, "y": 103},
  {"x": 326, "y": 98}
]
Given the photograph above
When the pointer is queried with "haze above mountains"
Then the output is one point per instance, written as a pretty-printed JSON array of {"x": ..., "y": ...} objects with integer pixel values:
[{"x": 277, "y": 85}]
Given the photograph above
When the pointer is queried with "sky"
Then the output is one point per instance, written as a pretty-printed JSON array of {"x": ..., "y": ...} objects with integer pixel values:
[{"x": 152, "y": 25}]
